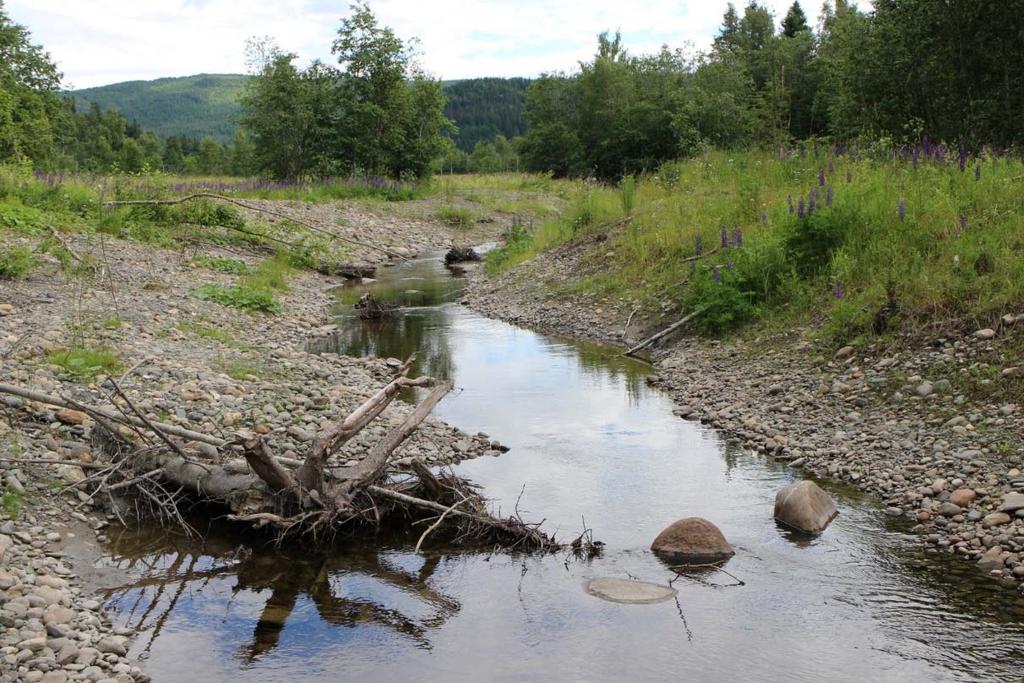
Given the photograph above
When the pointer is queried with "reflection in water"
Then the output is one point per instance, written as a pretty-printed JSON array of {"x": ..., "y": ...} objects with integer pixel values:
[{"x": 595, "y": 446}]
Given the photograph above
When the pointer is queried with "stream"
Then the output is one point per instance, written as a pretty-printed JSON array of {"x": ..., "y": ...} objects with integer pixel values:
[{"x": 591, "y": 444}]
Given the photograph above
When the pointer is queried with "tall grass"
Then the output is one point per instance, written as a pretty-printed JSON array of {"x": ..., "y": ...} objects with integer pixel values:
[{"x": 955, "y": 255}]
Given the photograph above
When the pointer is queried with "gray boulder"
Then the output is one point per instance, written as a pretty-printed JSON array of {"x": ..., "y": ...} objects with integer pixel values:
[{"x": 805, "y": 507}]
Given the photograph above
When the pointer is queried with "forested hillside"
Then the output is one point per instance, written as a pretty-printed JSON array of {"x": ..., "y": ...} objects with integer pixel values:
[
  {"x": 207, "y": 105},
  {"x": 483, "y": 108},
  {"x": 199, "y": 106}
]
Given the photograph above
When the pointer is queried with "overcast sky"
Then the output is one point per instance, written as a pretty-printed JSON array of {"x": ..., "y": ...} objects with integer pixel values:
[{"x": 96, "y": 42}]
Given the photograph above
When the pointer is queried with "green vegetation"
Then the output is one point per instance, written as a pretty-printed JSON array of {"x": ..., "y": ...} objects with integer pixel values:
[
  {"x": 12, "y": 503},
  {"x": 316, "y": 122},
  {"x": 871, "y": 242},
  {"x": 85, "y": 363},
  {"x": 484, "y": 108},
  {"x": 203, "y": 329},
  {"x": 456, "y": 216},
  {"x": 762, "y": 87},
  {"x": 221, "y": 264},
  {"x": 16, "y": 262},
  {"x": 241, "y": 296},
  {"x": 190, "y": 107}
]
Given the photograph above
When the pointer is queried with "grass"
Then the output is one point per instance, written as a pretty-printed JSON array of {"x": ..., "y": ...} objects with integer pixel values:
[
  {"x": 202, "y": 329},
  {"x": 16, "y": 262},
  {"x": 456, "y": 216},
  {"x": 240, "y": 296},
  {"x": 955, "y": 258},
  {"x": 243, "y": 369},
  {"x": 84, "y": 363},
  {"x": 12, "y": 503},
  {"x": 221, "y": 264}
]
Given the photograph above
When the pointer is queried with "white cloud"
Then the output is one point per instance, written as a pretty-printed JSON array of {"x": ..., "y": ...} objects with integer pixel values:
[{"x": 105, "y": 41}]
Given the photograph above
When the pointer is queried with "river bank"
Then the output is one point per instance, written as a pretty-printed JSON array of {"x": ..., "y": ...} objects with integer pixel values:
[
  {"x": 924, "y": 426},
  {"x": 180, "y": 359}
]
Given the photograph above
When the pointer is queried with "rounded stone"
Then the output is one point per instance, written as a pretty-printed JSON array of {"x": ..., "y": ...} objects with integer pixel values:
[
  {"x": 962, "y": 497},
  {"x": 692, "y": 540},
  {"x": 629, "y": 592},
  {"x": 804, "y": 506}
]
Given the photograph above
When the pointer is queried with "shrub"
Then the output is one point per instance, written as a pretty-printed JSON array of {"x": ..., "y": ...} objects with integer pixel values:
[
  {"x": 16, "y": 262},
  {"x": 245, "y": 297},
  {"x": 810, "y": 241},
  {"x": 725, "y": 303}
]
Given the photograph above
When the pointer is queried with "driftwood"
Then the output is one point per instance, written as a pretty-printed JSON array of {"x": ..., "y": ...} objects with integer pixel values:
[
  {"x": 668, "y": 330},
  {"x": 141, "y": 461},
  {"x": 349, "y": 271},
  {"x": 370, "y": 308},
  {"x": 461, "y": 255},
  {"x": 260, "y": 209}
]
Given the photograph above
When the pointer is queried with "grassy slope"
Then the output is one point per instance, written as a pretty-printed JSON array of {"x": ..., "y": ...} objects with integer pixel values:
[
  {"x": 197, "y": 106},
  {"x": 955, "y": 260}
]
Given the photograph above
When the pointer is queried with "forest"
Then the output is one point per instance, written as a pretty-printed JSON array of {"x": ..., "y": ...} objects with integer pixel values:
[{"x": 905, "y": 72}]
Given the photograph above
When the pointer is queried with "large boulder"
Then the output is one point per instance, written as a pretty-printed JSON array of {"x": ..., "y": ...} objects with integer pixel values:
[
  {"x": 692, "y": 540},
  {"x": 805, "y": 507}
]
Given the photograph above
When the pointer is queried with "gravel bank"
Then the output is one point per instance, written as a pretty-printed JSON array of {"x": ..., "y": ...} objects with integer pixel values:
[{"x": 185, "y": 361}]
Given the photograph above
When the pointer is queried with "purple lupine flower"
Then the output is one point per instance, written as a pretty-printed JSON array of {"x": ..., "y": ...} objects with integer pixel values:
[
  {"x": 737, "y": 237},
  {"x": 915, "y": 157},
  {"x": 814, "y": 194},
  {"x": 902, "y": 209},
  {"x": 837, "y": 291},
  {"x": 725, "y": 238},
  {"x": 698, "y": 245},
  {"x": 789, "y": 200},
  {"x": 977, "y": 171},
  {"x": 716, "y": 274},
  {"x": 962, "y": 158},
  {"x": 821, "y": 177},
  {"x": 828, "y": 196},
  {"x": 800, "y": 209}
]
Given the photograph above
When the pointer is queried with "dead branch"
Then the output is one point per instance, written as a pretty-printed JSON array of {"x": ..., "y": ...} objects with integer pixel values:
[
  {"x": 252, "y": 207},
  {"x": 668, "y": 330},
  {"x": 437, "y": 523}
]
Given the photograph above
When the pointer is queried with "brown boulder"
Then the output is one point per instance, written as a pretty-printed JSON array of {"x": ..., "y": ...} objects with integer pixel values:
[
  {"x": 692, "y": 540},
  {"x": 804, "y": 507},
  {"x": 962, "y": 497}
]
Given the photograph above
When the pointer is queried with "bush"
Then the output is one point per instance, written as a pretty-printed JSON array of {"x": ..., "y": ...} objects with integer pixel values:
[
  {"x": 724, "y": 304},
  {"x": 16, "y": 262},
  {"x": 245, "y": 297},
  {"x": 810, "y": 241}
]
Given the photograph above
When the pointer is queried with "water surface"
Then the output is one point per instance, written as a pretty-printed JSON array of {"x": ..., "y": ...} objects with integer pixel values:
[{"x": 591, "y": 444}]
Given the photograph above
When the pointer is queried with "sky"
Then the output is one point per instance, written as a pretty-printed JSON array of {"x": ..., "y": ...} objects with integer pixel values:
[{"x": 96, "y": 42}]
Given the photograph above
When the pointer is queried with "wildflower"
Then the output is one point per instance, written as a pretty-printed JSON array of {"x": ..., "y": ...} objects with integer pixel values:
[
  {"x": 828, "y": 196},
  {"x": 789, "y": 200},
  {"x": 977, "y": 171},
  {"x": 821, "y": 177},
  {"x": 915, "y": 157},
  {"x": 698, "y": 245},
  {"x": 962, "y": 158},
  {"x": 716, "y": 274},
  {"x": 837, "y": 291},
  {"x": 693, "y": 268},
  {"x": 812, "y": 204},
  {"x": 800, "y": 210},
  {"x": 902, "y": 210},
  {"x": 725, "y": 238},
  {"x": 737, "y": 237}
]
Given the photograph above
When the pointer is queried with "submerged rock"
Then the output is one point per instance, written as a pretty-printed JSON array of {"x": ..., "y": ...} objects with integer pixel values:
[
  {"x": 630, "y": 592},
  {"x": 805, "y": 507},
  {"x": 692, "y": 540}
]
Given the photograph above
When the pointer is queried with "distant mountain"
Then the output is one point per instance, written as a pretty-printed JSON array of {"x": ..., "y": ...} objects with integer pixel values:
[
  {"x": 207, "y": 105},
  {"x": 199, "y": 106}
]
